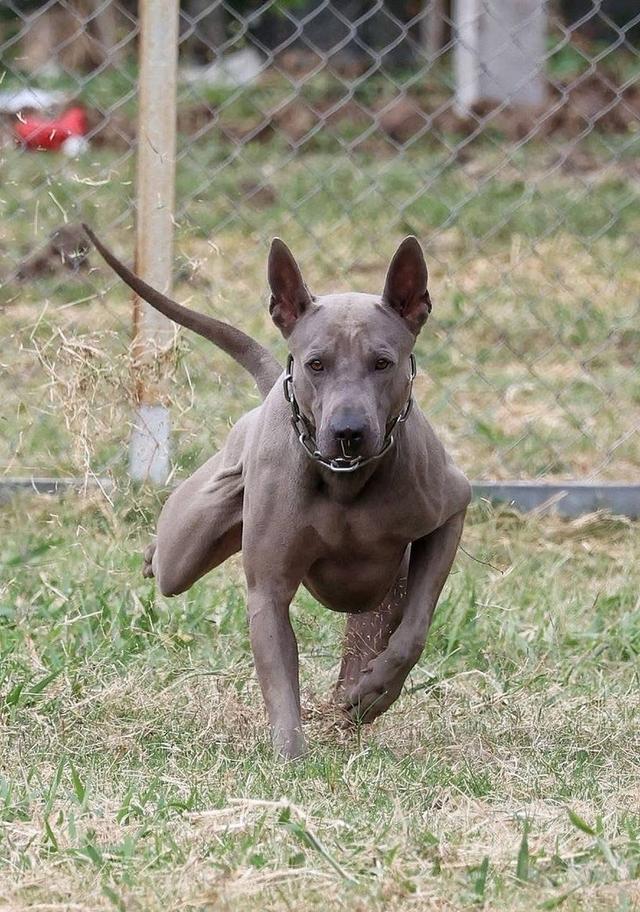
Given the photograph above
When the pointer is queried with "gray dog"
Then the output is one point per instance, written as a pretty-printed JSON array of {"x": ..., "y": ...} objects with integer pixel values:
[{"x": 335, "y": 482}]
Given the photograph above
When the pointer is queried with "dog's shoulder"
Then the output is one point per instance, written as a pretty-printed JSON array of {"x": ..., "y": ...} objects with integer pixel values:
[{"x": 434, "y": 470}]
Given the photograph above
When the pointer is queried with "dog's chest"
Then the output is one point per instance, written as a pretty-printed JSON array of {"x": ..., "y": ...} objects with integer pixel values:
[
  {"x": 356, "y": 559},
  {"x": 357, "y": 549},
  {"x": 362, "y": 533},
  {"x": 397, "y": 518}
]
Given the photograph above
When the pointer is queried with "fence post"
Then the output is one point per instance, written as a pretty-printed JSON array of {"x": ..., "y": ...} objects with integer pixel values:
[
  {"x": 499, "y": 52},
  {"x": 432, "y": 28},
  {"x": 153, "y": 333}
]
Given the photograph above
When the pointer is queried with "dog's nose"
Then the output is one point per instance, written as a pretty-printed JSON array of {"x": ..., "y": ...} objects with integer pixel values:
[{"x": 350, "y": 437}]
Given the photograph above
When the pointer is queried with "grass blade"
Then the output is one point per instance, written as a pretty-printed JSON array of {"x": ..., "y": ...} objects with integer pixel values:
[
  {"x": 310, "y": 839},
  {"x": 78, "y": 786},
  {"x": 580, "y": 824},
  {"x": 480, "y": 884},
  {"x": 522, "y": 864}
]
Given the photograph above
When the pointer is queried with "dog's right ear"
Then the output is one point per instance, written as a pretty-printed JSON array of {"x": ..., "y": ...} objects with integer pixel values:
[{"x": 290, "y": 296}]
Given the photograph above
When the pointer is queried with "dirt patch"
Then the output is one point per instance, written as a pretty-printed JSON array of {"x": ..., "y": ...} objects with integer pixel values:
[
  {"x": 258, "y": 195},
  {"x": 192, "y": 120},
  {"x": 403, "y": 119},
  {"x": 589, "y": 103},
  {"x": 571, "y": 110},
  {"x": 295, "y": 121}
]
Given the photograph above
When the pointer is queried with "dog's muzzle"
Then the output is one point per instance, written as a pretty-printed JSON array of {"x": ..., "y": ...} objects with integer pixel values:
[{"x": 344, "y": 463}]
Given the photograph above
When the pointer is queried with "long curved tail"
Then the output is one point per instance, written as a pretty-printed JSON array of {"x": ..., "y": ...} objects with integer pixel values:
[{"x": 256, "y": 359}]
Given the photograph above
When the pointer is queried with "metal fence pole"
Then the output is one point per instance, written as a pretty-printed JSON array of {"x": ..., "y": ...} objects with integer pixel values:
[{"x": 153, "y": 333}]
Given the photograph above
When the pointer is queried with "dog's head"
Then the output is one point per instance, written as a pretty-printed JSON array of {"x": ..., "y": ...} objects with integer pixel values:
[{"x": 351, "y": 351}]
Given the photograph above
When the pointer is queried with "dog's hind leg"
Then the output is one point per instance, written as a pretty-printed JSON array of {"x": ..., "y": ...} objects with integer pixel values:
[
  {"x": 200, "y": 525},
  {"x": 199, "y": 528}
]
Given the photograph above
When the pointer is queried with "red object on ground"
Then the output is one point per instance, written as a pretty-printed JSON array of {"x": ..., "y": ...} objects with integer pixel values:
[{"x": 38, "y": 133}]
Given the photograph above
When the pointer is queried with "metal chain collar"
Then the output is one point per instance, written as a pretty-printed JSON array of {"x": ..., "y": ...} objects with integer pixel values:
[{"x": 344, "y": 463}]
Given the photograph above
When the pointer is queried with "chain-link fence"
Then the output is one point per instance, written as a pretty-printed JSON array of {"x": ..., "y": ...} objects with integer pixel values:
[{"x": 341, "y": 127}]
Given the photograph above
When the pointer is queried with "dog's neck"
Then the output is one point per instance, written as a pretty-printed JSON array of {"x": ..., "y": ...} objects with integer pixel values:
[{"x": 343, "y": 488}]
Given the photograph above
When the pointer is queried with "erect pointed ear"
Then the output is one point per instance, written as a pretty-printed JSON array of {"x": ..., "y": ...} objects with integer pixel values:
[
  {"x": 405, "y": 289},
  {"x": 289, "y": 295}
]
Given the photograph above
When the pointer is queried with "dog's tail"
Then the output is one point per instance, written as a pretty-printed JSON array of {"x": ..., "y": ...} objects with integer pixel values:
[{"x": 260, "y": 363}]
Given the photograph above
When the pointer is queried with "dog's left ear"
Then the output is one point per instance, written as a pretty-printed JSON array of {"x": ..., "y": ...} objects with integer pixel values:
[
  {"x": 405, "y": 289},
  {"x": 289, "y": 295}
]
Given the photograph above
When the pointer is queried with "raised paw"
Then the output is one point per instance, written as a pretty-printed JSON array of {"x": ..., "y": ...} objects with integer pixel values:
[
  {"x": 147, "y": 558},
  {"x": 378, "y": 688}
]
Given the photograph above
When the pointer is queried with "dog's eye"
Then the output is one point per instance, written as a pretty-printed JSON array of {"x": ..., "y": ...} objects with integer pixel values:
[
  {"x": 316, "y": 365},
  {"x": 382, "y": 364}
]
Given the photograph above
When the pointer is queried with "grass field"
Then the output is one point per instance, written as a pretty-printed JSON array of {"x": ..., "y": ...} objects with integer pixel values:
[{"x": 135, "y": 771}]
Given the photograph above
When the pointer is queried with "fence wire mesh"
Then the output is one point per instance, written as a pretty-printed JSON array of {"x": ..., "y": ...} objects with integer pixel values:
[{"x": 340, "y": 127}]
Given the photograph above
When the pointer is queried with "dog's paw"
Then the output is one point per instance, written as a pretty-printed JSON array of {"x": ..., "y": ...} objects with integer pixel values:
[
  {"x": 379, "y": 687},
  {"x": 147, "y": 558},
  {"x": 289, "y": 744}
]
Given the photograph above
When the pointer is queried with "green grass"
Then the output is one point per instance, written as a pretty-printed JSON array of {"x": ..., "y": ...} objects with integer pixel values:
[{"x": 135, "y": 771}]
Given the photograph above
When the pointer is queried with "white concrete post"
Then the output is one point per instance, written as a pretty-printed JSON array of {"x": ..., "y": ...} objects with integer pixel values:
[
  {"x": 153, "y": 333},
  {"x": 499, "y": 52}
]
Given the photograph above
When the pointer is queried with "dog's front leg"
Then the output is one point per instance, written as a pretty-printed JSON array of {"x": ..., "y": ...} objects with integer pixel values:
[
  {"x": 275, "y": 653},
  {"x": 382, "y": 681}
]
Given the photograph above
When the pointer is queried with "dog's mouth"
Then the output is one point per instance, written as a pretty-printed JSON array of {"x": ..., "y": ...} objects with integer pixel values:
[
  {"x": 349, "y": 449},
  {"x": 346, "y": 449}
]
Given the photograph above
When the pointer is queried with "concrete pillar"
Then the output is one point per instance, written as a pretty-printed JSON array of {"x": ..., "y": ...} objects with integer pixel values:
[{"x": 499, "y": 52}]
